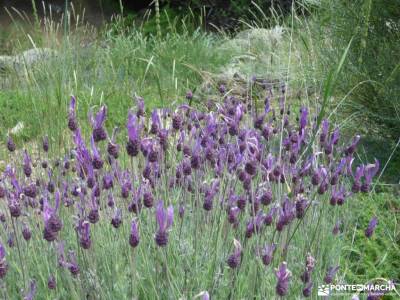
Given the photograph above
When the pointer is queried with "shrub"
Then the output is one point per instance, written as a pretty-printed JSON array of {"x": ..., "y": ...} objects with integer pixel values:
[
  {"x": 373, "y": 59},
  {"x": 183, "y": 203}
]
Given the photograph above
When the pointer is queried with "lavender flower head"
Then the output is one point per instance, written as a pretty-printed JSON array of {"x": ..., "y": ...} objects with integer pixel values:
[
  {"x": 84, "y": 232},
  {"x": 72, "y": 122},
  {"x": 330, "y": 274},
  {"x": 234, "y": 259},
  {"x": 27, "y": 164},
  {"x": 46, "y": 144},
  {"x": 116, "y": 221},
  {"x": 72, "y": 265},
  {"x": 189, "y": 95},
  {"x": 52, "y": 223},
  {"x": 32, "y": 291},
  {"x": 283, "y": 275},
  {"x": 3, "y": 262},
  {"x": 371, "y": 227},
  {"x": 134, "y": 235},
  {"x": 369, "y": 172},
  {"x": 267, "y": 254},
  {"x": 164, "y": 218},
  {"x": 308, "y": 289},
  {"x": 155, "y": 122},
  {"x": 97, "y": 162},
  {"x": 99, "y": 134},
  {"x": 113, "y": 147},
  {"x": 10, "y": 144},
  {"x": 51, "y": 282},
  {"x": 140, "y": 106},
  {"x": 132, "y": 147}
]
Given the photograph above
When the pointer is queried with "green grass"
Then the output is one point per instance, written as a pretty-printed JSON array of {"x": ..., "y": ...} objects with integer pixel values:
[
  {"x": 379, "y": 256},
  {"x": 111, "y": 69}
]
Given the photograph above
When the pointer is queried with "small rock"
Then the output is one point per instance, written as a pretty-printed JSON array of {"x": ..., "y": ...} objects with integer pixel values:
[{"x": 17, "y": 129}]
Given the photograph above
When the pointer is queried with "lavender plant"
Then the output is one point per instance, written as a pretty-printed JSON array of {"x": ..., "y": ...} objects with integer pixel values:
[{"x": 254, "y": 192}]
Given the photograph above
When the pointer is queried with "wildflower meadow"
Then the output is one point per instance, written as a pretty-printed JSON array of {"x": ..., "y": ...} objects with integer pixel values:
[{"x": 144, "y": 185}]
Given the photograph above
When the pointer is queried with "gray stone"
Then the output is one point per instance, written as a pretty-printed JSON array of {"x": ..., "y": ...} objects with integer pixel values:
[{"x": 26, "y": 59}]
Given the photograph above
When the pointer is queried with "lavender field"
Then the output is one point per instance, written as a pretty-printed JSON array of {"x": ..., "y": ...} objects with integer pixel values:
[{"x": 170, "y": 164}]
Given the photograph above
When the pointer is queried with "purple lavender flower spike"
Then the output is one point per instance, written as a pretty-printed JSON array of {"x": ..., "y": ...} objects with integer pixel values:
[
  {"x": 99, "y": 134},
  {"x": 301, "y": 206},
  {"x": 283, "y": 275},
  {"x": 324, "y": 132},
  {"x": 3, "y": 262},
  {"x": 164, "y": 218},
  {"x": 10, "y": 144},
  {"x": 72, "y": 264},
  {"x": 26, "y": 232},
  {"x": 94, "y": 215},
  {"x": 338, "y": 195},
  {"x": 267, "y": 254},
  {"x": 85, "y": 240},
  {"x": 317, "y": 176},
  {"x": 328, "y": 147},
  {"x": 330, "y": 274},
  {"x": 113, "y": 147},
  {"x": 32, "y": 291},
  {"x": 250, "y": 229},
  {"x": 27, "y": 164},
  {"x": 352, "y": 148},
  {"x": 30, "y": 190},
  {"x": 97, "y": 162},
  {"x": 371, "y": 227},
  {"x": 51, "y": 282},
  {"x": 357, "y": 179},
  {"x": 369, "y": 172},
  {"x": 45, "y": 144},
  {"x": 189, "y": 95},
  {"x": 266, "y": 197},
  {"x": 181, "y": 211},
  {"x": 310, "y": 264},
  {"x": 287, "y": 214},
  {"x": 52, "y": 223},
  {"x": 134, "y": 235},
  {"x": 108, "y": 181},
  {"x": 116, "y": 221},
  {"x": 308, "y": 290},
  {"x": 176, "y": 121},
  {"x": 234, "y": 259},
  {"x": 132, "y": 147},
  {"x": 270, "y": 216},
  {"x": 222, "y": 89},
  {"x": 233, "y": 214},
  {"x": 339, "y": 169},
  {"x": 61, "y": 254},
  {"x": 72, "y": 122},
  {"x": 303, "y": 118},
  {"x": 11, "y": 240},
  {"x": 140, "y": 106},
  {"x": 155, "y": 122},
  {"x": 336, "y": 228}
]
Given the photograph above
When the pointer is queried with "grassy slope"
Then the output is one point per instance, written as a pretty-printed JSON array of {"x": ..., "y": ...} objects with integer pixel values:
[{"x": 110, "y": 70}]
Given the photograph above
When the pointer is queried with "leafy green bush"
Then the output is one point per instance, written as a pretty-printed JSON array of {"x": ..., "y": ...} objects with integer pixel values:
[
  {"x": 226, "y": 14},
  {"x": 373, "y": 67}
]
